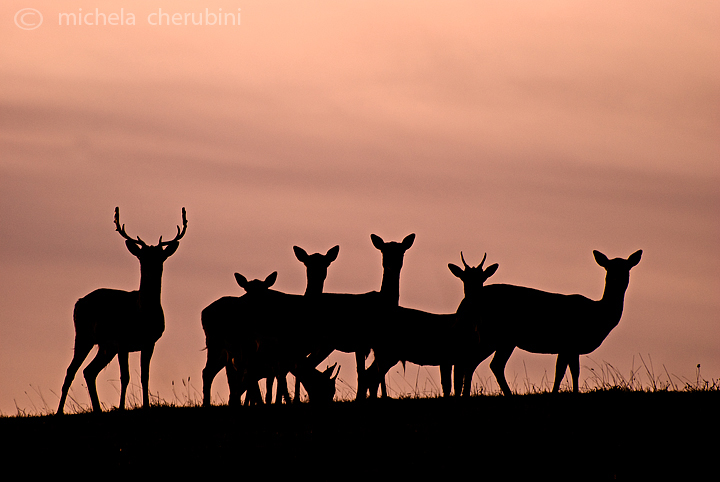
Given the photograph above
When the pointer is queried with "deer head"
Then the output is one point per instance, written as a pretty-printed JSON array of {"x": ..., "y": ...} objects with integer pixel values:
[
  {"x": 148, "y": 253},
  {"x": 618, "y": 265},
  {"x": 317, "y": 258},
  {"x": 256, "y": 286},
  {"x": 618, "y": 272},
  {"x": 392, "y": 251},
  {"x": 473, "y": 278},
  {"x": 326, "y": 388},
  {"x": 316, "y": 266}
]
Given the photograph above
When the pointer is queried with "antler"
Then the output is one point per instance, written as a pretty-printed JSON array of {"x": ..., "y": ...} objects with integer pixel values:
[
  {"x": 467, "y": 266},
  {"x": 121, "y": 229},
  {"x": 179, "y": 234}
]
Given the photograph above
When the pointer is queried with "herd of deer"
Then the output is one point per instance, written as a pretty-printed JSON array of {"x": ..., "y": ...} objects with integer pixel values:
[{"x": 268, "y": 334}]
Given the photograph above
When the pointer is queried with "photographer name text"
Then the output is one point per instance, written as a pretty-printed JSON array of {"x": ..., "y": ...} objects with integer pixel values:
[{"x": 156, "y": 18}]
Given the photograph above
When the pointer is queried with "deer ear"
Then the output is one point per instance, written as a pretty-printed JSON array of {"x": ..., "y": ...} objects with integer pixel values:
[
  {"x": 634, "y": 258},
  {"x": 491, "y": 270},
  {"x": 377, "y": 241},
  {"x": 408, "y": 241},
  {"x": 456, "y": 270},
  {"x": 601, "y": 259},
  {"x": 300, "y": 253},
  {"x": 133, "y": 247},
  {"x": 241, "y": 280},
  {"x": 332, "y": 254},
  {"x": 270, "y": 280}
]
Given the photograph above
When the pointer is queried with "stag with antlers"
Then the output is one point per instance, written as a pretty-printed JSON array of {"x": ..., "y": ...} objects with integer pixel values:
[{"x": 120, "y": 322}]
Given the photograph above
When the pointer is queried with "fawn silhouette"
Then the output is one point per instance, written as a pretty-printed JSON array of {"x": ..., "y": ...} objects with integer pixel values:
[
  {"x": 120, "y": 322},
  {"x": 541, "y": 322},
  {"x": 316, "y": 266},
  {"x": 423, "y": 338}
]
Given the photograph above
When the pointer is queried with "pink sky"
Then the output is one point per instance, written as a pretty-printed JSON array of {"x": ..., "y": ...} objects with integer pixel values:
[{"x": 533, "y": 131}]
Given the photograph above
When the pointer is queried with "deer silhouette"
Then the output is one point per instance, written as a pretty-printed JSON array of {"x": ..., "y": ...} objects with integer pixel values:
[
  {"x": 222, "y": 326},
  {"x": 253, "y": 342},
  {"x": 358, "y": 318},
  {"x": 536, "y": 321},
  {"x": 275, "y": 358},
  {"x": 316, "y": 325},
  {"x": 319, "y": 385},
  {"x": 119, "y": 322},
  {"x": 423, "y": 338},
  {"x": 316, "y": 266},
  {"x": 225, "y": 334},
  {"x": 473, "y": 279}
]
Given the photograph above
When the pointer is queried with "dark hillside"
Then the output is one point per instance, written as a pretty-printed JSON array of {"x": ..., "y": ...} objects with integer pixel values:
[{"x": 595, "y": 436}]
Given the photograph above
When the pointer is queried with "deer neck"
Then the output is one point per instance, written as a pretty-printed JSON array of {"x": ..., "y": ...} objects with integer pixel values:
[
  {"x": 613, "y": 299},
  {"x": 390, "y": 287},
  {"x": 314, "y": 287},
  {"x": 150, "y": 287}
]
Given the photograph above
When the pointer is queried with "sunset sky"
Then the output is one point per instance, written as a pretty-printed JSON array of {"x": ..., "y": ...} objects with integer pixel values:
[{"x": 535, "y": 131}]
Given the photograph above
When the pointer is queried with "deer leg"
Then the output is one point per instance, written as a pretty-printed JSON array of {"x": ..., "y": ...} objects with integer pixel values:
[
  {"x": 466, "y": 378},
  {"x": 463, "y": 378},
  {"x": 101, "y": 360},
  {"x": 477, "y": 358},
  {"x": 296, "y": 395},
  {"x": 378, "y": 371},
  {"x": 472, "y": 366},
  {"x": 268, "y": 389},
  {"x": 238, "y": 381},
  {"x": 213, "y": 365},
  {"x": 253, "y": 397},
  {"x": 248, "y": 383},
  {"x": 497, "y": 365},
  {"x": 361, "y": 382},
  {"x": 378, "y": 374},
  {"x": 372, "y": 378},
  {"x": 282, "y": 390},
  {"x": 574, "y": 362},
  {"x": 446, "y": 378},
  {"x": 458, "y": 378},
  {"x": 124, "y": 377},
  {"x": 81, "y": 352},
  {"x": 235, "y": 384},
  {"x": 560, "y": 369},
  {"x": 145, "y": 356}
]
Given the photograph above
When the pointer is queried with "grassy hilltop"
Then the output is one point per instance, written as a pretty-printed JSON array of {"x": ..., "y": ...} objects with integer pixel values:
[{"x": 602, "y": 435}]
